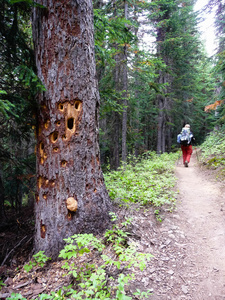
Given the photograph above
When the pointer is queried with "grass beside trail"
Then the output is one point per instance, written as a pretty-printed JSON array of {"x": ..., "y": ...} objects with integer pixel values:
[
  {"x": 213, "y": 152},
  {"x": 149, "y": 180}
]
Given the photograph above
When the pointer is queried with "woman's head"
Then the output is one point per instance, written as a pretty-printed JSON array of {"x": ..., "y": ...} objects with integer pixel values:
[{"x": 187, "y": 126}]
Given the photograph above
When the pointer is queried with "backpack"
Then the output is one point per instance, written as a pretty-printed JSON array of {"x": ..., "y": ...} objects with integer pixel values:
[{"x": 185, "y": 136}]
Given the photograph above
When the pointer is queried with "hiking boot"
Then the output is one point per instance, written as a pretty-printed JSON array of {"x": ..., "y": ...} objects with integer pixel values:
[{"x": 186, "y": 164}]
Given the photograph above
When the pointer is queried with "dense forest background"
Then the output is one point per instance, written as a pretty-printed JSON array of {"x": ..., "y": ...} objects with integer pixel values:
[{"x": 153, "y": 72}]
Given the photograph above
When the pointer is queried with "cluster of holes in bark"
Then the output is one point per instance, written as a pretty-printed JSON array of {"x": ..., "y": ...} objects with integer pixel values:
[
  {"x": 43, "y": 155},
  {"x": 89, "y": 187},
  {"x": 70, "y": 111},
  {"x": 77, "y": 105},
  {"x": 70, "y": 118},
  {"x": 46, "y": 184}
]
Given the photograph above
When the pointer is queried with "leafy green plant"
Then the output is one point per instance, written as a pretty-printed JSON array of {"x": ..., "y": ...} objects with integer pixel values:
[
  {"x": 106, "y": 278},
  {"x": 157, "y": 214},
  {"x": 1, "y": 284},
  {"x": 149, "y": 181},
  {"x": 214, "y": 145},
  {"x": 212, "y": 150},
  {"x": 117, "y": 234},
  {"x": 142, "y": 295},
  {"x": 39, "y": 259},
  {"x": 5, "y": 105},
  {"x": 91, "y": 280},
  {"x": 15, "y": 296}
]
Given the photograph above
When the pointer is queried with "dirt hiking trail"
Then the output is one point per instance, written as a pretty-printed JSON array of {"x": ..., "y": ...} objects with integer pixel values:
[
  {"x": 202, "y": 208},
  {"x": 189, "y": 248}
]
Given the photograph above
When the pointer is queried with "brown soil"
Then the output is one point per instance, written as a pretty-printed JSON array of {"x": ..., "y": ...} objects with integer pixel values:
[
  {"x": 188, "y": 245},
  {"x": 189, "y": 253}
]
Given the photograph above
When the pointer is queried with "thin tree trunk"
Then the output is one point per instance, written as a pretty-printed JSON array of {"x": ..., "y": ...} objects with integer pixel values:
[
  {"x": 125, "y": 87},
  {"x": 116, "y": 118},
  {"x": 2, "y": 200},
  {"x": 115, "y": 133},
  {"x": 160, "y": 125}
]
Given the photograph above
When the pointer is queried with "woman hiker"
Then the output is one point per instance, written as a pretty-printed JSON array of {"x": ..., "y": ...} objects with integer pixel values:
[{"x": 185, "y": 139}]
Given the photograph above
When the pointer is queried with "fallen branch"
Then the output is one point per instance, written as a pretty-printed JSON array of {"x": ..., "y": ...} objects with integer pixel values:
[{"x": 7, "y": 256}]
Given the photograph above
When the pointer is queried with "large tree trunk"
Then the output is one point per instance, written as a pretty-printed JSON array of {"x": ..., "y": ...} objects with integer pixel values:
[{"x": 68, "y": 163}]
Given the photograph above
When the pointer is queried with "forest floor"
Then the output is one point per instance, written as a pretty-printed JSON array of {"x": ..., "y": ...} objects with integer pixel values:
[{"x": 188, "y": 245}]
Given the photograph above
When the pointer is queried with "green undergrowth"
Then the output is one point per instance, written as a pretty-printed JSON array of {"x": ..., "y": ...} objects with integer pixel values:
[
  {"x": 103, "y": 268},
  {"x": 212, "y": 153},
  {"x": 98, "y": 268},
  {"x": 149, "y": 180}
]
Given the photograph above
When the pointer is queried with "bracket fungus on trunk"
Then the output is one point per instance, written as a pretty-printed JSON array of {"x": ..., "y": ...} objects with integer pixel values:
[{"x": 71, "y": 204}]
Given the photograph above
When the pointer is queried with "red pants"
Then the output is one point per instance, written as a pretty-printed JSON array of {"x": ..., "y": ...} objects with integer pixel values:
[{"x": 187, "y": 151}]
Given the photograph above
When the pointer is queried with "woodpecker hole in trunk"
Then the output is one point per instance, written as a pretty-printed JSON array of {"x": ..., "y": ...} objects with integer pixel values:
[
  {"x": 77, "y": 105},
  {"x": 71, "y": 111},
  {"x": 69, "y": 216},
  {"x": 42, "y": 153},
  {"x": 61, "y": 106},
  {"x": 70, "y": 123},
  {"x": 46, "y": 125},
  {"x": 63, "y": 163},
  {"x": 41, "y": 146},
  {"x": 43, "y": 230},
  {"x": 54, "y": 136},
  {"x": 39, "y": 182}
]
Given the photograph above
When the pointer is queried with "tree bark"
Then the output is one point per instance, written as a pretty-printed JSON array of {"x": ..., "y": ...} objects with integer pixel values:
[
  {"x": 116, "y": 119},
  {"x": 2, "y": 200},
  {"x": 71, "y": 194},
  {"x": 125, "y": 87},
  {"x": 115, "y": 140},
  {"x": 136, "y": 92},
  {"x": 160, "y": 124}
]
